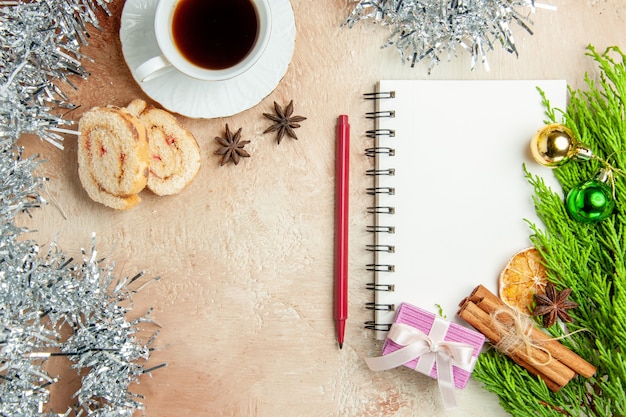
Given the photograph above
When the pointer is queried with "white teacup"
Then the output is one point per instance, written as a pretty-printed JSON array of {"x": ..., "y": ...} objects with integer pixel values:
[{"x": 184, "y": 31}]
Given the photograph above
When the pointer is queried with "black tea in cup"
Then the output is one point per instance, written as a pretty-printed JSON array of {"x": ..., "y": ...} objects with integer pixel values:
[{"x": 215, "y": 34}]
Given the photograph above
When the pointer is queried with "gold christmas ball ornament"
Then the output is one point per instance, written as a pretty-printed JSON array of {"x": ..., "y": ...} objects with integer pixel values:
[{"x": 554, "y": 144}]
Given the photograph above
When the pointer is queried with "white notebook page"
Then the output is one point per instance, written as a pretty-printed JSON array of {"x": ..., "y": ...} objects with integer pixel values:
[{"x": 460, "y": 195}]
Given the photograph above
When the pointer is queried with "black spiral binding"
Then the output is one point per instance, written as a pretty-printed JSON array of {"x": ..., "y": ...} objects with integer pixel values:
[
  {"x": 380, "y": 150},
  {"x": 380, "y": 114},
  {"x": 380, "y": 307},
  {"x": 380, "y": 287},
  {"x": 380, "y": 190},
  {"x": 381, "y": 268},
  {"x": 381, "y": 248},
  {"x": 381, "y": 210},
  {"x": 380, "y": 95},
  {"x": 379, "y": 327},
  {"x": 374, "y": 133},
  {"x": 375, "y": 172},
  {"x": 374, "y": 152},
  {"x": 381, "y": 229}
]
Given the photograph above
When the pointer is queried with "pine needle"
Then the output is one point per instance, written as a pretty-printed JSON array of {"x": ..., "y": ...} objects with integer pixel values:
[{"x": 589, "y": 258}]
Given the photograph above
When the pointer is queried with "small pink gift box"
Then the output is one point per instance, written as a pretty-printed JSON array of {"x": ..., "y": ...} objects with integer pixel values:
[{"x": 420, "y": 340}]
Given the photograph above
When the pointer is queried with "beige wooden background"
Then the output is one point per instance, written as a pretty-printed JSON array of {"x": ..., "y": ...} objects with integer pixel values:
[{"x": 245, "y": 253}]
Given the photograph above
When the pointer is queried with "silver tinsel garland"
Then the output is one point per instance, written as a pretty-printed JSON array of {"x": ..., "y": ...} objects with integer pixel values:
[
  {"x": 40, "y": 50},
  {"x": 45, "y": 296},
  {"x": 432, "y": 29}
]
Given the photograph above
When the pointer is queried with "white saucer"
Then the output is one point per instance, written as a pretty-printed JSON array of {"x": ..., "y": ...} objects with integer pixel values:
[{"x": 187, "y": 96}]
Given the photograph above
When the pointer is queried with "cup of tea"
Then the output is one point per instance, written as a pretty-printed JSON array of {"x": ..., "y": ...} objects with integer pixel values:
[{"x": 209, "y": 40}]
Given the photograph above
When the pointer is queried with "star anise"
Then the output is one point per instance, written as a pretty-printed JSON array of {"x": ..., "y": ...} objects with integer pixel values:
[
  {"x": 232, "y": 146},
  {"x": 553, "y": 304},
  {"x": 284, "y": 122}
]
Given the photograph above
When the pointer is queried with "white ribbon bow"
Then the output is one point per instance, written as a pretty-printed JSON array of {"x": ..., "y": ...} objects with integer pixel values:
[{"x": 428, "y": 349}]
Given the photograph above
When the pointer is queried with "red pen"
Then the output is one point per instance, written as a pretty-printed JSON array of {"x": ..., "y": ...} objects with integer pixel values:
[{"x": 342, "y": 170}]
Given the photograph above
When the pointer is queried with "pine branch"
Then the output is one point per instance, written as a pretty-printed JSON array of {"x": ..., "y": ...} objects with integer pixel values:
[{"x": 590, "y": 259}]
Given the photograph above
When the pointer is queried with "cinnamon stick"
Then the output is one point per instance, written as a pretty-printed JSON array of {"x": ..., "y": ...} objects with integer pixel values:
[
  {"x": 554, "y": 370},
  {"x": 489, "y": 302},
  {"x": 553, "y": 386}
]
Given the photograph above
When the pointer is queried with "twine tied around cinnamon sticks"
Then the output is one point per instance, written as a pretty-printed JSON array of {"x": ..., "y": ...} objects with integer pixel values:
[
  {"x": 516, "y": 332},
  {"x": 520, "y": 340}
]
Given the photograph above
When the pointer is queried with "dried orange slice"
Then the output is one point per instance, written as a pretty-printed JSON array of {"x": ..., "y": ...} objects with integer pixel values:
[{"x": 523, "y": 276}]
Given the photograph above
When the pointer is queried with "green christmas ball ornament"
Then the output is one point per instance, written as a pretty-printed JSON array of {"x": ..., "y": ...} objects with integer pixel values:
[
  {"x": 553, "y": 145},
  {"x": 591, "y": 201}
]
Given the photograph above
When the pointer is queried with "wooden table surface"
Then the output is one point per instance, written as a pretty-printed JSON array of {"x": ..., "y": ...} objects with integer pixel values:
[{"x": 245, "y": 253}]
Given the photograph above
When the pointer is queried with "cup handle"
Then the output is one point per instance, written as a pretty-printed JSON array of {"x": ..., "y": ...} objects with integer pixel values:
[{"x": 152, "y": 68}]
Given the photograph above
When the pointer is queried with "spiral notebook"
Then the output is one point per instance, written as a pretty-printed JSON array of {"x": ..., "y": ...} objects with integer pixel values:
[{"x": 450, "y": 196}]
